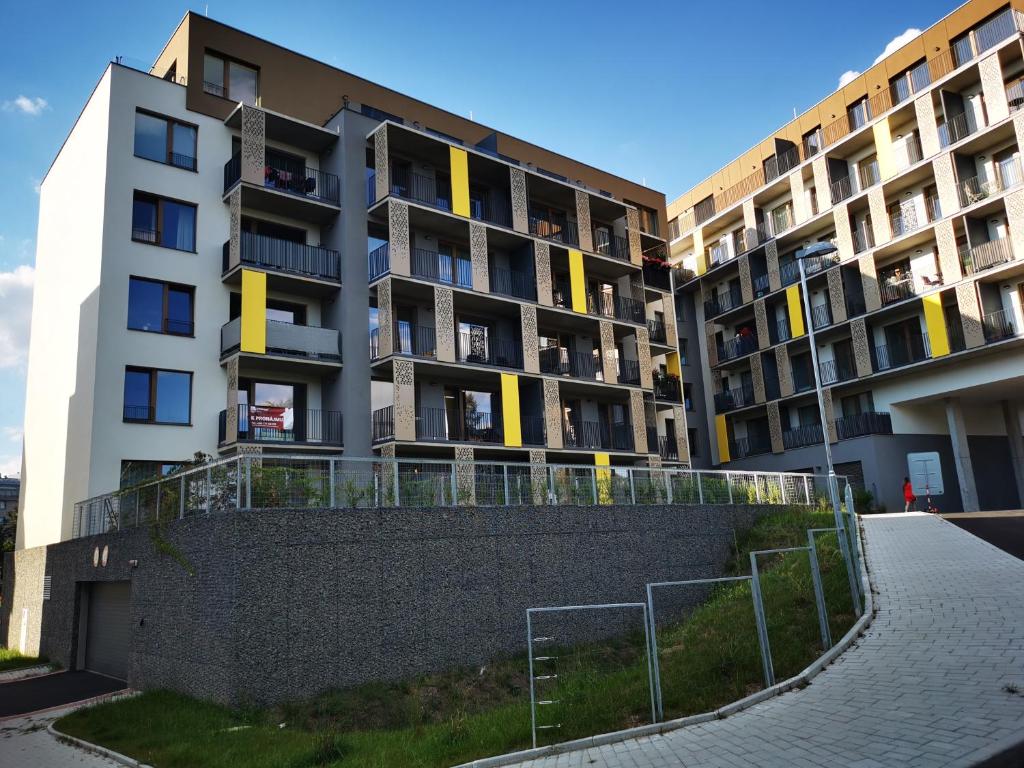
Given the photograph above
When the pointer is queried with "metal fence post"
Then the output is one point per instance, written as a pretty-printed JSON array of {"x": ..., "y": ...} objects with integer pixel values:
[
  {"x": 782, "y": 487},
  {"x": 854, "y": 536},
  {"x": 505, "y": 482},
  {"x": 728, "y": 484},
  {"x": 632, "y": 487},
  {"x": 552, "y": 496},
  {"x": 181, "y": 499},
  {"x": 330, "y": 483},
  {"x": 807, "y": 489},
  {"x": 762, "y": 629},
  {"x": 394, "y": 472},
  {"x": 455, "y": 484},
  {"x": 593, "y": 484},
  {"x": 209, "y": 486},
  {"x": 248, "y": 482},
  {"x": 668, "y": 487},
  {"x": 533, "y": 705},
  {"x": 819, "y": 594},
  {"x": 700, "y": 489},
  {"x": 158, "y": 501},
  {"x": 238, "y": 483}
]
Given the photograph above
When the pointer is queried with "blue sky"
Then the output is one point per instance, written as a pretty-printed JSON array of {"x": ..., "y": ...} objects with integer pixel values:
[{"x": 662, "y": 93}]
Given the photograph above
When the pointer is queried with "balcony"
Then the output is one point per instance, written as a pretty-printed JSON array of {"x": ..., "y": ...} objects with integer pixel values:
[
  {"x": 302, "y": 342},
  {"x": 668, "y": 449},
  {"x": 742, "y": 447},
  {"x": 561, "y": 362},
  {"x": 731, "y": 399},
  {"x": 491, "y": 212},
  {"x": 608, "y": 244},
  {"x": 977, "y": 188},
  {"x": 998, "y": 326},
  {"x": 657, "y": 331},
  {"x": 597, "y": 435},
  {"x": 841, "y": 189},
  {"x": 719, "y": 254},
  {"x": 904, "y": 221},
  {"x": 781, "y": 219},
  {"x": 560, "y": 230},
  {"x": 761, "y": 285},
  {"x": 477, "y": 349},
  {"x": 272, "y": 424},
  {"x": 291, "y": 179},
  {"x": 629, "y": 372},
  {"x": 789, "y": 272},
  {"x": 821, "y": 316},
  {"x": 657, "y": 275},
  {"x": 285, "y": 256},
  {"x": 379, "y": 262},
  {"x": 933, "y": 208},
  {"x": 475, "y": 427},
  {"x": 896, "y": 285},
  {"x": 842, "y": 368},
  {"x": 985, "y": 255},
  {"x": 510, "y": 282},
  {"x": 863, "y": 238},
  {"x": 867, "y": 423},
  {"x": 382, "y": 424},
  {"x": 441, "y": 268},
  {"x": 432, "y": 191},
  {"x": 868, "y": 174},
  {"x": 629, "y": 310},
  {"x": 909, "y": 153},
  {"x": 802, "y": 436},
  {"x": 815, "y": 264},
  {"x": 531, "y": 430},
  {"x": 901, "y": 353},
  {"x": 957, "y": 128},
  {"x": 409, "y": 339},
  {"x": 667, "y": 388},
  {"x": 782, "y": 331},
  {"x": 737, "y": 347},
  {"x": 723, "y": 302}
]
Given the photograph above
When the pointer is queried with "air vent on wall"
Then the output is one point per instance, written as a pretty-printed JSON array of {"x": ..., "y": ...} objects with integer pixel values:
[{"x": 46, "y": 587}]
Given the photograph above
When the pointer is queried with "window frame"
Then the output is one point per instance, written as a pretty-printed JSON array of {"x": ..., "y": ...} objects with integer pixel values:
[
  {"x": 225, "y": 85},
  {"x": 167, "y": 286},
  {"x": 169, "y": 148},
  {"x": 152, "y": 406},
  {"x": 160, "y": 200}
]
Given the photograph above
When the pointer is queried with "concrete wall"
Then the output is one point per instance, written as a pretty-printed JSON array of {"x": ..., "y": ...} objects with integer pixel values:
[{"x": 288, "y": 603}]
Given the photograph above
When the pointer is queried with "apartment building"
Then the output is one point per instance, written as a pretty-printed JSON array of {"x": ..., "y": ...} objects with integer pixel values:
[
  {"x": 913, "y": 171},
  {"x": 246, "y": 251}
]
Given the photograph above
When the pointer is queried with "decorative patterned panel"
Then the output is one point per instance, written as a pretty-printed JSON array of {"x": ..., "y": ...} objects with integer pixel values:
[
  {"x": 478, "y": 257},
  {"x": 231, "y": 413},
  {"x": 949, "y": 258},
  {"x": 387, "y": 451},
  {"x": 869, "y": 282},
  {"x": 668, "y": 309},
  {"x": 465, "y": 475},
  {"x": 539, "y": 476},
  {"x": 444, "y": 323},
  {"x": 757, "y": 374},
  {"x": 520, "y": 201},
  {"x": 583, "y": 220},
  {"x": 836, "y": 294},
  {"x": 235, "y": 228},
  {"x": 254, "y": 137},
  {"x": 924, "y": 108},
  {"x": 542, "y": 265},
  {"x": 761, "y": 322},
  {"x": 682, "y": 436},
  {"x": 861, "y": 346},
  {"x": 775, "y": 427},
  {"x": 879, "y": 215},
  {"x": 830, "y": 414},
  {"x": 844, "y": 233},
  {"x": 945, "y": 183},
  {"x": 819, "y": 166},
  {"x": 1018, "y": 126},
  {"x": 654, "y": 461},
  {"x": 385, "y": 319},
  {"x": 643, "y": 354},
  {"x": 771, "y": 255},
  {"x": 749, "y": 222},
  {"x": 785, "y": 370},
  {"x": 712, "y": 346},
  {"x": 970, "y": 314},
  {"x": 796, "y": 191},
  {"x": 992, "y": 88},
  {"x": 398, "y": 237},
  {"x": 636, "y": 408},
  {"x": 746, "y": 285},
  {"x": 381, "y": 162},
  {"x": 633, "y": 224},
  {"x": 609, "y": 363},
  {"x": 405, "y": 399},
  {"x": 1015, "y": 216},
  {"x": 553, "y": 413},
  {"x": 531, "y": 343}
]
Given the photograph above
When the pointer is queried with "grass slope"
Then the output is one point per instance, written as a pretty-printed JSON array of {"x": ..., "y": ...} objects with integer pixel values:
[
  {"x": 11, "y": 659},
  {"x": 707, "y": 659}
]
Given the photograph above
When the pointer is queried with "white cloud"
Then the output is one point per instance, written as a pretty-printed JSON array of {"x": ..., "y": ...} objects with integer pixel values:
[
  {"x": 13, "y": 434},
  {"x": 16, "y": 300},
  {"x": 10, "y": 466},
  {"x": 29, "y": 105},
  {"x": 891, "y": 47},
  {"x": 36, "y": 184}
]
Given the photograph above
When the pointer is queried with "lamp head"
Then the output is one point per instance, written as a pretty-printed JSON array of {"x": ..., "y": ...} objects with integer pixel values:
[{"x": 824, "y": 248}]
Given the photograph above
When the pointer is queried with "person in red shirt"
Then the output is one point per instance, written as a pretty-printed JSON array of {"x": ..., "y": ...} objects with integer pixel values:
[{"x": 908, "y": 495}]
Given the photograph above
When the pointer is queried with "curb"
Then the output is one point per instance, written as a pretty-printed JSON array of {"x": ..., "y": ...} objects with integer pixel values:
[
  {"x": 26, "y": 673},
  {"x": 88, "y": 746},
  {"x": 799, "y": 681}
]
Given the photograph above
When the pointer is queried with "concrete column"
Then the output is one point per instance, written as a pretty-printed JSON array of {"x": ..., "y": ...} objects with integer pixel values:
[
  {"x": 945, "y": 183},
  {"x": 712, "y": 346},
  {"x": 553, "y": 413},
  {"x": 231, "y": 412},
  {"x": 749, "y": 223},
  {"x": 785, "y": 368},
  {"x": 638, "y": 417},
  {"x": 961, "y": 454},
  {"x": 761, "y": 322},
  {"x": 381, "y": 163},
  {"x": 949, "y": 258},
  {"x": 796, "y": 191},
  {"x": 1011, "y": 417},
  {"x": 528, "y": 328},
  {"x": 465, "y": 475},
  {"x": 1015, "y": 218},
  {"x": 444, "y": 324},
  {"x": 608, "y": 359},
  {"x": 819, "y": 166},
  {"x": 405, "y": 399},
  {"x": 235, "y": 228},
  {"x": 924, "y": 108},
  {"x": 830, "y": 433},
  {"x": 844, "y": 232},
  {"x": 538, "y": 476},
  {"x": 775, "y": 427},
  {"x": 869, "y": 282},
  {"x": 398, "y": 238},
  {"x": 643, "y": 355},
  {"x": 861, "y": 346},
  {"x": 682, "y": 436},
  {"x": 633, "y": 224},
  {"x": 992, "y": 88},
  {"x": 771, "y": 255},
  {"x": 542, "y": 267},
  {"x": 970, "y": 314},
  {"x": 746, "y": 284},
  {"x": 836, "y": 294},
  {"x": 757, "y": 375},
  {"x": 385, "y": 319},
  {"x": 879, "y": 215},
  {"x": 1018, "y": 126},
  {"x": 583, "y": 220},
  {"x": 478, "y": 257}
]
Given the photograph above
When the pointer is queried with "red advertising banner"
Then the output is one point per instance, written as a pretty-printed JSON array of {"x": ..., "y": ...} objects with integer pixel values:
[{"x": 268, "y": 416}]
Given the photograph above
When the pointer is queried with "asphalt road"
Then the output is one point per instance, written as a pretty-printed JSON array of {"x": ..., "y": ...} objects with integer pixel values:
[
  {"x": 1007, "y": 533},
  {"x": 37, "y": 693}
]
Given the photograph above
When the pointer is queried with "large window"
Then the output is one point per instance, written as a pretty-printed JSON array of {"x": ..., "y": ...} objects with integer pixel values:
[
  {"x": 160, "y": 221},
  {"x": 230, "y": 79},
  {"x": 160, "y": 307},
  {"x": 165, "y": 140},
  {"x": 157, "y": 396}
]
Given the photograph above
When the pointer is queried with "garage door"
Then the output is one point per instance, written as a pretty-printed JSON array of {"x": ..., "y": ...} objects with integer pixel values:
[{"x": 108, "y": 633}]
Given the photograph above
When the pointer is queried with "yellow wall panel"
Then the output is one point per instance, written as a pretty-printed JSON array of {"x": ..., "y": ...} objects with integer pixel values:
[
  {"x": 510, "y": 410},
  {"x": 460, "y": 181},
  {"x": 254, "y": 311},
  {"x": 672, "y": 364},
  {"x": 796, "y": 312},
  {"x": 883, "y": 148},
  {"x": 935, "y": 321},
  {"x": 604, "y": 478},
  {"x": 577, "y": 282},
  {"x": 722, "y": 433}
]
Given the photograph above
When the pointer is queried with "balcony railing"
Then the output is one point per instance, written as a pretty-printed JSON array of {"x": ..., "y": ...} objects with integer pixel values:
[
  {"x": 379, "y": 261},
  {"x": 803, "y": 436},
  {"x": 489, "y": 350},
  {"x": 789, "y": 272},
  {"x": 442, "y": 268},
  {"x": 895, "y": 286},
  {"x": 985, "y": 255},
  {"x": 840, "y": 189},
  {"x": 868, "y": 174},
  {"x": 933, "y": 208},
  {"x": 815, "y": 264},
  {"x": 559, "y": 230},
  {"x": 901, "y": 353},
  {"x": 821, "y": 316},
  {"x": 608, "y": 244},
  {"x": 1015, "y": 94},
  {"x": 657, "y": 276},
  {"x": 509, "y": 282},
  {"x": 657, "y": 332},
  {"x": 273, "y": 424},
  {"x": 836, "y": 370},
  {"x": 761, "y": 285},
  {"x": 601, "y": 304},
  {"x": 475, "y": 427},
  {"x": 742, "y": 447},
  {"x": 719, "y": 254},
  {"x": 629, "y": 372},
  {"x": 782, "y": 331},
  {"x": 782, "y": 219},
  {"x": 904, "y": 221},
  {"x": 730, "y": 399},
  {"x": 382, "y": 424},
  {"x": 416, "y": 340},
  {"x": 975, "y": 189},
  {"x": 577, "y": 433},
  {"x": 532, "y": 430},
  {"x": 668, "y": 448},
  {"x": 909, "y": 153},
  {"x": 998, "y": 326},
  {"x": 957, "y": 128},
  {"x": 738, "y": 346},
  {"x": 421, "y": 189},
  {"x": 287, "y": 340},
  {"x": 867, "y": 423},
  {"x": 723, "y": 302},
  {"x": 855, "y": 306},
  {"x": 667, "y": 388},
  {"x": 562, "y": 362},
  {"x": 491, "y": 212},
  {"x": 629, "y": 309},
  {"x": 286, "y": 256},
  {"x": 291, "y": 178},
  {"x": 863, "y": 238}
]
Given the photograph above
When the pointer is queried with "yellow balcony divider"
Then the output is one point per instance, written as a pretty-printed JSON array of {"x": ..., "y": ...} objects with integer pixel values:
[
  {"x": 702, "y": 263},
  {"x": 722, "y": 433},
  {"x": 935, "y": 321},
  {"x": 460, "y": 181},
  {"x": 577, "y": 282},
  {"x": 796, "y": 311},
  {"x": 604, "y": 478},
  {"x": 510, "y": 410},
  {"x": 254, "y": 312},
  {"x": 698, "y": 249},
  {"x": 883, "y": 149},
  {"x": 672, "y": 364}
]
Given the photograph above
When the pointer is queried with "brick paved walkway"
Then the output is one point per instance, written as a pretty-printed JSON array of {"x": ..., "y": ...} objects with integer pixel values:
[{"x": 926, "y": 686}]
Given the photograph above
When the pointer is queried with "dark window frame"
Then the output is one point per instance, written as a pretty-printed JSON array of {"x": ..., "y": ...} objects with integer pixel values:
[
  {"x": 226, "y": 75},
  {"x": 160, "y": 200},
  {"x": 167, "y": 287},
  {"x": 152, "y": 406},
  {"x": 169, "y": 150}
]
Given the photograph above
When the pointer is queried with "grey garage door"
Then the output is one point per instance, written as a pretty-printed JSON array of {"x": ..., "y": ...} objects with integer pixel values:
[{"x": 108, "y": 633}]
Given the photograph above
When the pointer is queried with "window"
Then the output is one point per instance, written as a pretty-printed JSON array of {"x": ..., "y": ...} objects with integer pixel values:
[
  {"x": 157, "y": 396},
  {"x": 135, "y": 471},
  {"x": 229, "y": 79},
  {"x": 160, "y": 307},
  {"x": 160, "y": 221},
  {"x": 812, "y": 142},
  {"x": 691, "y": 438},
  {"x": 688, "y": 396},
  {"x": 683, "y": 352},
  {"x": 673, "y": 229},
  {"x": 379, "y": 114},
  {"x": 858, "y": 114},
  {"x": 165, "y": 140}
]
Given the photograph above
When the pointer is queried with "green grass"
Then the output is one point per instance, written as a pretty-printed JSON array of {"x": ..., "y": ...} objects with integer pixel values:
[
  {"x": 708, "y": 658},
  {"x": 11, "y": 659}
]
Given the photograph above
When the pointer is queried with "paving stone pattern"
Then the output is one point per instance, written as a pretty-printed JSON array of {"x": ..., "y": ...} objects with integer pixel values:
[{"x": 926, "y": 685}]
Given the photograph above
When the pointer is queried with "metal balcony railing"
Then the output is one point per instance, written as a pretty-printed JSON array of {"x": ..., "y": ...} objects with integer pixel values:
[
  {"x": 667, "y": 388},
  {"x": 998, "y": 326},
  {"x": 742, "y": 447},
  {"x": 668, "y": 448},
  {"x": 782, "y": 331},
  {"x": 274, "y": 424},
  {"x": 292, "y": 178},
  {"x": 789, "y": 272},
  {"x": 888, "y": 356},
  {"x": 761, "y": 285},
  {"x": 489, "y": 350},
  {"x": 1015, "y": 94},
  {"x": 904, "y": 221},
  {"x": 601, "y": 304},
  {"x": 855, "y": 306},
  {"x": 493, "y": 212},
  {"x": 509, "y": 282},
  {"x": 723, "y": 302},
  {"x": 821, "y": 316},
  {"x": 719, "y": 254},
  {"x": 839, "y": 369},
  {"x": 286, "y": 256},
  {"x": 433, "y": 191},
  {"x": 977, "y": 188},
  {"x": 608, "y": 244},
  {"x": 957, "y": 128},
  {"x": 657, "y": 276},
  {"x": 657, "y": 332},
  {"x": 810, "y": 434},
  {"x": 532, "y": 430},
  {"x": 442, "y": 268},
  {"x": 908, "y": 153},
  {"x": 738, "y": 346},
  {"x": 379, "y": 261},
  {"x": 933, "y": 208},
  {"x": 414, "y": 339},
  {"x": 382, "y": 424},
  {"x": 629, "y": 309},
  {"x": 866, "y": 423},
  {"x": 863, "y": 238},
  {"x": 984, "y": 256},
  {"x": 629, "y": 372},
  {"x": 730, "y": 399},
  {"x": 563, "y": 362},
  {"x": 896, "y": 285},
  {"x": 473, "y": 426},
  {"x": 371, "y": 189},
  {"x": 841, "y": 189},
  {"x": 782, "y": 219},
  {"x": 577, "y": 433},
  {"x": 815, "y": 264},
  {"x": 287, "y": 340},
  {"x": 557, "y": 229},
  {"x": 868, "y": 174}
]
